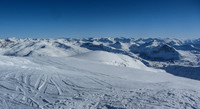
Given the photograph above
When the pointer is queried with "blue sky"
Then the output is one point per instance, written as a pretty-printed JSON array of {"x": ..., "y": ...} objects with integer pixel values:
[{"x": 99, "y": 18}]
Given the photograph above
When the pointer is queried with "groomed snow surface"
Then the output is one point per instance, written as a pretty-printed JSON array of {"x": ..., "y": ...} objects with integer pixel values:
[
  {"x": 96, "y": 82},
  {"x": 66, "y": 76}
]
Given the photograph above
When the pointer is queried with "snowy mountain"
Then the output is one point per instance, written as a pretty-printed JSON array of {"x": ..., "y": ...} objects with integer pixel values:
[
  {"x": 153, "y": 52},
  {"x": 108, "y": 73}
]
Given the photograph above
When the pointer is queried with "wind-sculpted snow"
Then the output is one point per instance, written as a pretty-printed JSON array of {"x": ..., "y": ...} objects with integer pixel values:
[{"x": 71, "y": 82}]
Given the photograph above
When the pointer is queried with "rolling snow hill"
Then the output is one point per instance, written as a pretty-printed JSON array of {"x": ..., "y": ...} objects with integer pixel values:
[
  {"x": 112, "y": 59},
  {"x": 153, "y": 52},
  {"x": 95, "y": 73}
]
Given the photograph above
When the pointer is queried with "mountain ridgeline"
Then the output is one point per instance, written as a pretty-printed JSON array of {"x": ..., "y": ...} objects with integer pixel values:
[{"x": 172, "y": 55}]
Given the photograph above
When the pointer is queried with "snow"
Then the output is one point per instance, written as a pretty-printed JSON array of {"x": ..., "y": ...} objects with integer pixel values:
[
  {"x": 112, "y": 59},
  {"x": 69, "y": 76},
  {"x": 50, "y": 82},
  {"x": 187, "y": 55}
]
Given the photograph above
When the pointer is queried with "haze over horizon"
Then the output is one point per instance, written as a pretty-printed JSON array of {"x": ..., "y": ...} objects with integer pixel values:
[{"x": 99, "y": 18}]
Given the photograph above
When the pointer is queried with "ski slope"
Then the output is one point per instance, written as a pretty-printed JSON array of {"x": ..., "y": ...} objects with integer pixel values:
[
  {"x": 91, "y": 81},
  {"x": 112, "y": 59}
]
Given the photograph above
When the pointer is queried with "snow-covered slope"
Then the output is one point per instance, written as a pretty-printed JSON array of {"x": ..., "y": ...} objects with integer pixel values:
[
  {"x": 112, "y": 59},
  {"x": 38, "y": 47},
  {"x": 53, "y": 82},
  {"x": 95, "y": 73},
  {"x": 153, "y": 52}
]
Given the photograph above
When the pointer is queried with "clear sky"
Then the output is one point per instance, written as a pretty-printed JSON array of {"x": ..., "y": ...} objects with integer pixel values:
[{"x": 99, "y": 18}]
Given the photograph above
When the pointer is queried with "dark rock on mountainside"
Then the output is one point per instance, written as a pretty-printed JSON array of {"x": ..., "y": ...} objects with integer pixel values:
[
  {"x": 159, "y": 53},
  {"x": 60, "y": 45}
]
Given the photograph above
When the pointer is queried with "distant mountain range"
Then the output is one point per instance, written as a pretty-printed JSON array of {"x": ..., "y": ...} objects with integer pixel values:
[
  {"x": 99, "y": 73},
  {"x": 180, "y": 57}
]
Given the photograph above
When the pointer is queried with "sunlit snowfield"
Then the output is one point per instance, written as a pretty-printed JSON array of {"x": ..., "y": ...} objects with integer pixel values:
[{"x": 109, "y": 73}]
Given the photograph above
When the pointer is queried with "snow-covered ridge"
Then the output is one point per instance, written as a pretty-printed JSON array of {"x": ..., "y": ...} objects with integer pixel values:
[
  {"x": 153, "y": 52},
  {"x": 112, "y": 59},
  {"x": 72, "y": 82},
  {"x": 159, "y": 47},
  {"x": 99, "y": 73}
]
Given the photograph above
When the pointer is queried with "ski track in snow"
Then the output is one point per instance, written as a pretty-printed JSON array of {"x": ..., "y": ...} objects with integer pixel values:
[
  {"x": 77, "y": 87},
  {"x": 99, "y": 73}
]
